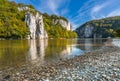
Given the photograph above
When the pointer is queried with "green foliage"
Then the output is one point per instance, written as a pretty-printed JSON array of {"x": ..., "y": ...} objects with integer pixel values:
[
  {"x": 31, "y": 6},
  {"x": 11, "y": 21},
  {"x": 106, "y": 27},
  {"x": 54, "y": 17},
  {"x": 20, "y": 4},
  {"x": 117, "y": 32},
  {"x": 57, "y": 17},
  {"x": 56, "y": 30},
  {"x": 63, "y": 18}
]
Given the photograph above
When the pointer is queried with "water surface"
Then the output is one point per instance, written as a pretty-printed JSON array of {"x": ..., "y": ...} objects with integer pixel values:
[{"x": 15, "y": 53}]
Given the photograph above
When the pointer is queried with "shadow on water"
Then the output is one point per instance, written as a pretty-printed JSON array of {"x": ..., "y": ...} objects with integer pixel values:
[{"x": 15, "y": 53}]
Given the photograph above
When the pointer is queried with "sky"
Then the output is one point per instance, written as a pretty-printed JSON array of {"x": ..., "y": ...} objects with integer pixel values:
[{"x": 77, "y": 11}]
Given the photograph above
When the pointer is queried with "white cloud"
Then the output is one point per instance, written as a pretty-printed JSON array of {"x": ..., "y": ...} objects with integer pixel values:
[
  {"x": 95, "y": 12},
  {"x": 82, "y": 13},
  {"x": 98, "y": 10},
  {"x": 114, "y": 13},
  {"x": 53, "y": 6},
  {"x": 64, "y": 11}
]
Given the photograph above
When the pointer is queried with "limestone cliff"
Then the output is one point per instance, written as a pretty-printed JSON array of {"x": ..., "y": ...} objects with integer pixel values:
[
  {"x": 88, "y": 31},
  {"x": 63, "y": 23},
  {"x": 85, "y": 32},
  {"x": 35, "y": 25}
]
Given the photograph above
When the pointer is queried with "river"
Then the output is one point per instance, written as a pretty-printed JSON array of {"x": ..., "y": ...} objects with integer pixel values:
[{"x": 15, "y": 53}]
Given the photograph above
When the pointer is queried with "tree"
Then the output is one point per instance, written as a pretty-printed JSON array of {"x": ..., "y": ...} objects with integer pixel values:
[{"x": 118, "y": 32}]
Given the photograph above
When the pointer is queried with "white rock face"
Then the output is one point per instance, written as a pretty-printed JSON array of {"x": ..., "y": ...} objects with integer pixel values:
[
  {"x": 36, "y": 26},
  {"x": 63, "y": 23},
  {"x": 88, "y": 31},
  {"x": 23, "y": 8}
]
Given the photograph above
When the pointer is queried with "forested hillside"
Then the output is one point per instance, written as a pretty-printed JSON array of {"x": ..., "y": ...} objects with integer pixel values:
[
  {"x": 12, "y": 22},
  {"x": 56, "y": 30},
  {"x": 105, "y": 27}
]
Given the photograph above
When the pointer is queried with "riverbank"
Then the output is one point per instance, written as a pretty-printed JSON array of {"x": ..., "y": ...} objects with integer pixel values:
[{"x": 103, "y": 64}]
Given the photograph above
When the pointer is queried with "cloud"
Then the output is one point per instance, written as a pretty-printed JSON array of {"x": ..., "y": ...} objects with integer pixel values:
[
  {"x": 95, "y": 11},
  {"x": 101, "y": 10},
  {"x": 64, "y": 11},
  {"x": 53, "y": 6},
  {"x": 114, "y": 13},
  {"x": 82, "y": 14},
  {"x": 97, "y": 8},
  {"x": 49, "y": 6}
]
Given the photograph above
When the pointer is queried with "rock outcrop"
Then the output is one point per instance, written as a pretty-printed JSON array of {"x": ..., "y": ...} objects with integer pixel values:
[
  {"x": 101, "y": 28},
  {"x": 35, "y": 25},
  {"x": 23, "y": 8},
  {"x": 89, "y": 31},
  {"x": 85, "y": 32},
  {"x": 63, "y": 23}
]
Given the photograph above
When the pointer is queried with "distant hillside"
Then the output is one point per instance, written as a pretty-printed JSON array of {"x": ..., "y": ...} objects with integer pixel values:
[
  {"x": 13, "y": 24},
  {"x": 101, "y": 28}
]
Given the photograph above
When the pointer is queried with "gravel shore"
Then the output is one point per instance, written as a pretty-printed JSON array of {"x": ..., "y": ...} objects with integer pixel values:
[{"x": 101, "y": 65}]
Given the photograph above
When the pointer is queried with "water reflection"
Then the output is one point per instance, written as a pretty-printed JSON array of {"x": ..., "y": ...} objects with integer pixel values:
[
  {"x": 66, "y": 51},
  {"x": 13, "y": 52},
  {"x": 61, "y": 48},
  {"x": 90, "y": 44},
  {"x": 20, "y": 52},
  {"x": 36, "y": 51}
]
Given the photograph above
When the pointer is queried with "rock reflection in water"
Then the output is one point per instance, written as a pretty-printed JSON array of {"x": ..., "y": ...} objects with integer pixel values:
[
  {"x": 44, "y": 51},
  {"x": 71, "y": 51},
  {"x": 90, "y": 44},
  {"x": 36, "y": 51},
  {"x": 62, "y": 48},
  {"x": 66, "y": 51}
]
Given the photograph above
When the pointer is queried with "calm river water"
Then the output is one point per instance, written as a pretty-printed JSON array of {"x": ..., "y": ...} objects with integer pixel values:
[{"x": 15, "y": 53}]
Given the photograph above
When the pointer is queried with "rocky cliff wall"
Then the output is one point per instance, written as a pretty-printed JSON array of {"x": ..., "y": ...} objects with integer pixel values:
[
  {"x": 89, "y": 31},
  {"x": 63, "y": 23},
  {"x": 35, "y": 25}
]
